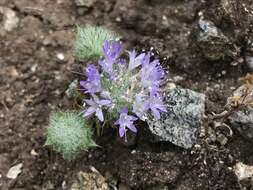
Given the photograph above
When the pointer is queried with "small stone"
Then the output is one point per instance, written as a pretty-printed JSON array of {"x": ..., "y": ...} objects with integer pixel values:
[
  {"x": 224, "y": 72},
  {"x": 10, "y": 20},
  {"x": 85, "y": 3},
  {"x": 34, "y": 67},
  {"x": 232, "y": 88},
  {"x": 118, "y": 19},
  {"x": 185, "y": 111},
  {"x": 170, "y": 86},
  {"x": 60, "y": 56},
  {"x": 64, "y": 185},
  {"x": 249, "y": 62},
  {"x": 217, "y": 86},
  {"x": 14, "y": 72},
  {"x": 222, "y": 139},
  {"x": 81, "y": 10},
  {"x": 14, "y": 171},
  {"x": 213, "y": 43},
  {"x": 111, "y": 180},
  {"x": 46, "y": 41},
  {"x": 243, "y": 171},
  {"x": 178, "y": 78},
  {"x": 34, "y": 153},
  {"x": 212, "y": 137},
  {"x": 242, "y": 120},
  {"x": 90, "y": 180}
]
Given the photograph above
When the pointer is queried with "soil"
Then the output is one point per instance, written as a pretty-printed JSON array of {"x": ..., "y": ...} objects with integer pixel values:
[{"x": 33, "y": 82}]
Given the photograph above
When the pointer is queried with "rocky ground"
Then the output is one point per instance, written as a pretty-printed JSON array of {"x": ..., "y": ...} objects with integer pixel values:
[{"x": 205, "y": 45}]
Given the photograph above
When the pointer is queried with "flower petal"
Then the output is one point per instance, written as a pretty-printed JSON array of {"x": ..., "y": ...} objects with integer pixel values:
[
  {"x": 132, "y": 128},
  {"x": 117, "y": 122},
  {"x": 156, "y": 113},
  {"x": 89, "y": 111},
  {"x": 162, "y": 108},
  {"x": 122, "y": 131},
  {"x": 90, "y": 102},
  {"x": 135, "y": 61},
  {"x": 124, "y": 110},
  {"x": 104, "y": 102},
  {"x": 83, "y": 83},
  {"x": 99, "y": 114},
  {"x": 132, "y": 118}
]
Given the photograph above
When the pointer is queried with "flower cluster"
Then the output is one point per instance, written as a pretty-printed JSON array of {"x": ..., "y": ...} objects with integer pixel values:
[{"x": 127, "y": 89}]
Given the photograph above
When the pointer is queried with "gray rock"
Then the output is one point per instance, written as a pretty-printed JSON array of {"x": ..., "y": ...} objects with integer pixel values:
[
  {"x": 213, "y": 43},
  {"x": 249, "y": 53},
  {"x": 183, "y": 119},
  {"x": 243, "y": 122},
  {"x": 249, "y": 62}
]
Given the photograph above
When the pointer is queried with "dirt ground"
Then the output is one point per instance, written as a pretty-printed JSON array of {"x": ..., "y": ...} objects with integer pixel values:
[{"x": 33, "y": 81}]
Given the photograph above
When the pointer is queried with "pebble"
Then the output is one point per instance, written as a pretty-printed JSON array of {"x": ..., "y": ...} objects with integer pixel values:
[
  {"x": 242, "y": 120},
  {"x": 243, "y": 171},
  {"x": 14, "y": 171},
  {"x": 10, "y": 20},
  {"x": 222, "y": 139},
  {"x": 60, "y": 56},
  {"x": 118, "y": 19},
  {"x": 34, "y": 153},
  {"x": 34, "y": 67},
  {"x": 249, "y": 62}
]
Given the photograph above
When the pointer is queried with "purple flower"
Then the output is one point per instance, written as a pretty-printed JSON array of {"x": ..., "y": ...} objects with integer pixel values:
[
  {"x": 151, "y": 73},
  {"x": 112, "y": 50},
  {"x": 155, "y": 103},
  {"x": 140, "y": 106},
  {"x": 135, "y": 61},
  {"x": 106, "y": 66},
  {"x": 92, "y": 84},
  {"x": 92, "y": 72},
  {"x": 96, "y": 107},
  {"x": 125, "y": 121}
]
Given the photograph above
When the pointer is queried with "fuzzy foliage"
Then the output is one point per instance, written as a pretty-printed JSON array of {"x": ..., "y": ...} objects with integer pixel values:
[
  {"x": 69, "y": 134},
  {"x": 89, "y": 42}
]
